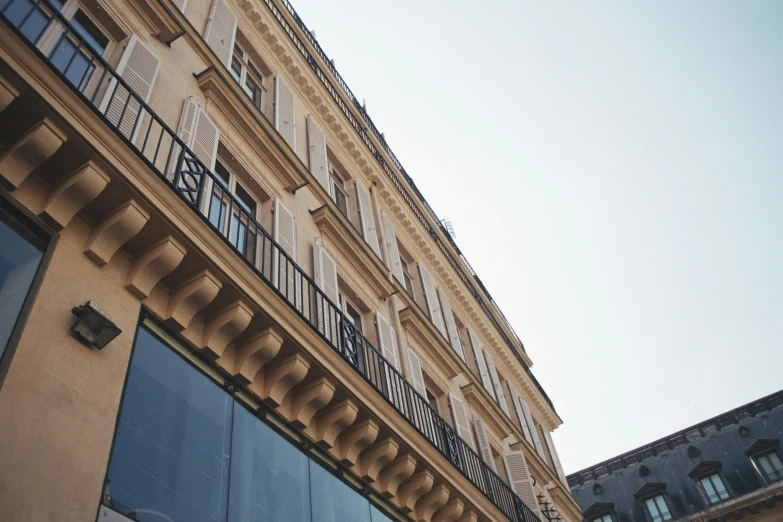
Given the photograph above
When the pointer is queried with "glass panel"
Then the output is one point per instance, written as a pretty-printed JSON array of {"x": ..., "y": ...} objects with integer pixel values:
[
  {"x": 712, "y": 496},
  {"x": 663, "y": 508},
  {"x": 19, "y": 261},
  {"x": 269, "y": 476},
  {"x": 766, "y": 465},
  {"x": 71, "y": 62},
  {"x": 653, "y": 509},
  {"x": 31, "y": 20},
  {"x": 334, "y": 501},
  {"x": 377, "y": 516},
  {"x": 774, "y": 460},
  {"x": 236, "y": 66},
  {"x": 717, "y": 482},
  {"x": 170, "y": 461},
  {"x": 87, "y": 29}
]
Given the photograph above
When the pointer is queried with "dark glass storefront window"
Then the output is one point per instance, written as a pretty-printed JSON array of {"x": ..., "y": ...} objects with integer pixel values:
[
  {"x": 173, "y": 443},
  {"x": 186, "y": 451},
  {"x": 20, "y": 256}
]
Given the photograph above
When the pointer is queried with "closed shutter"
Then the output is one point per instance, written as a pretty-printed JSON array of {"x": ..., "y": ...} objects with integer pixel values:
[
  {"x": 483, "y": 443},
  {"x": 221, "y": 31},
  {"x": 202, "y": 136},
  {"x": 395, "y": 388},
  {"x": 532, "y": 426},
  {"x": 415, "y": 375},
  {"x": 325, "y": 273},
  {"x": 284, "y": 273},
  {"x": 520, "y": 412},
  {"x": 500, "y": 397},
  {"x": 519, "y": 479},
  {"x": 478, "y": 353},
  {"x": 366, "y": 218},
  {"x": 181, "y": 4},
  {"x": 461, "y": 420},
  {"x": 285, "y": 112},
  {"x": 555, "y": 458},
  {"x": 431, "y": 298},
  {"x": 319, "y": 165},
  {"x": 395, "y": 263},
  {"x": 139, "y": 68},
  {"x": 451, "y": 325}
]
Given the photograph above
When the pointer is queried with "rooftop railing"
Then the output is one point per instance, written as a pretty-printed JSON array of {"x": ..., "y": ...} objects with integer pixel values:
[
  {"x": 361, "y": 127},
  {"x": 112, "y": 98}
]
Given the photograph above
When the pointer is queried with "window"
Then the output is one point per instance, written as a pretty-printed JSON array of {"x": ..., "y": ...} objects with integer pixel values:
[
  {"x": 339, "y": 193},
  {"x": 185, "y": 449},
  {"x": 658, "y": 509},
  {"x": 248, "y": 76},
  {"x": 72, "y": 57},
  {"x": 714, "y": 488},
  {"x": 770, "y": 466},
  {"x": 352, "y": 314},
  {"x": 433, "y": 401},
  {"x": 605, "y": 518},
  {"x": 21, "y": 252},
  {"x": 240, "y": 228}
]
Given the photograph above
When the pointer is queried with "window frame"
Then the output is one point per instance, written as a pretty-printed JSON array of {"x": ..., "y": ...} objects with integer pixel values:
[
  {"x": 226, "y": 226},
  {"x": 709, "y": 477},
  {"x": 20, "y": 217},
  {"x": 337, "y": 184},
  {"x": 248, "y": 68},
  {"x": 764, "y": 476},
  {"x": 661, "y": 516}
]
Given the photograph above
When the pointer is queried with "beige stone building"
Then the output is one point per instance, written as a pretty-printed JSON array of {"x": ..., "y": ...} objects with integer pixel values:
[{"x": 222, "y": 298}]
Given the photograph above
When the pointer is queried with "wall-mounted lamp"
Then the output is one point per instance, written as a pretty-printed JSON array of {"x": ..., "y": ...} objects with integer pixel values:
[{"x": 93, "y": 328}]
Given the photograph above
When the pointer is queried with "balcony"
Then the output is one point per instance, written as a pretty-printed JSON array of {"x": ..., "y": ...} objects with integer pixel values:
[{"x": 113, "y": 100}]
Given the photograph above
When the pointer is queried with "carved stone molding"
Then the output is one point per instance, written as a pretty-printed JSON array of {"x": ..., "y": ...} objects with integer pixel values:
[
  {"x": 333, "y": 420},
  {"x": 256, "y": 352},
  {"x": 73, "y": 193},
  {"x": 450, "y": 512},
  {"x": 224, "y": 327},
  {"x": 279, "y": 378},
  {"x": 413, "y": 489},
  {"x": 354, "y": 440},
  {"x": 114, "y": 230},
  {"x": 190, "y": 297},
  {"x": 392, "y": 475},
  {"x": 21, "y": 155},
  {"x": 431, "y": 502},
  {"x": 308, "y": 399},
  {"x": 148, "y": 268},
  {"x": 376, "y": 457}
]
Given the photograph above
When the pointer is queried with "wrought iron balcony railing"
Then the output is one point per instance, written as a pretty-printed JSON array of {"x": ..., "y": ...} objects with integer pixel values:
[
  {"x": 361, "y": 128},
  {"x": 77, "y": 63}
]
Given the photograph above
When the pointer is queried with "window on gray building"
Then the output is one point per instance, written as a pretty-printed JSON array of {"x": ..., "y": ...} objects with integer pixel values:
[
  {"x": 658, "y": 509},
  {"x": 770, "y": 466},
  {"x": 714, "y": 488}
]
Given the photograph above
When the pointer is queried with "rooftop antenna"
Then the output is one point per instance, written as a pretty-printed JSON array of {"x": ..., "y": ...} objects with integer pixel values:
[
  {"x": 364, "y": 104},
  {"x": 312, "y": 33}
]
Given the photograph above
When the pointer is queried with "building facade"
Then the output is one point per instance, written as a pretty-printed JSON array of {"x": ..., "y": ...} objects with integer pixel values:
[
  {"x": 723, "y": 469},
  {"x": 222, "y": 298}
]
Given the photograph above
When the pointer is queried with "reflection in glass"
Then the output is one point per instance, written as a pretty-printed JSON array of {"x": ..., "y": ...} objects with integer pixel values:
[
  {"x": 171, "y": 451},
  {"x": 335, "y": 501},
  {"x": 269, "y": 476},
  {"x": 19, "y": 261}
]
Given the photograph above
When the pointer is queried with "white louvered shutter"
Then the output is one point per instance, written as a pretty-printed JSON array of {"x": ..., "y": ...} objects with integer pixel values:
[
  {"x": 395, "y": 389},
  {"x": 461, "y": 420},
  {"x": 319, "y": 165},
  {"x": 555, "y": 458},
  {"x": 520, "y": 412},
  {"x": 325, "y": 274},
  {"x": 500, "y": 397},
  {"x": 395, "y": 263},
  {"x": 451, "y": 325},
  {"x": 285, "y": 112},
  {"x": 485, "y": 450},
  {"x": 478, "y": 353},
  {"x": 202, "y": 136},
  {"x": 221, "y": 31},
  {"x": 432, "y": 300},
  {"x": 415, "y": 375},
  {"x": 532, "y": 426},
  {"x": 139, "y": 68},
  {"x": 284, "y": 275},
  {"x": 519, "y": 479},
  {"x": 366, "y": 218},
  {"x": 181, "y": 4}
]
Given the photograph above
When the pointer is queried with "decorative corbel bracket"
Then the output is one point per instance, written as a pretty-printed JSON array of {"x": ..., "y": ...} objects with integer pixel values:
[
  {"x": 190, "y": 297},
  {"x": 148, "y": 268},
  {"x": 114, "y": 230}
]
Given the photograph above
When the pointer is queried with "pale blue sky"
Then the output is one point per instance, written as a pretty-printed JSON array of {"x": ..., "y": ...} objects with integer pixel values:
[{"x": 614, "y": 173}]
